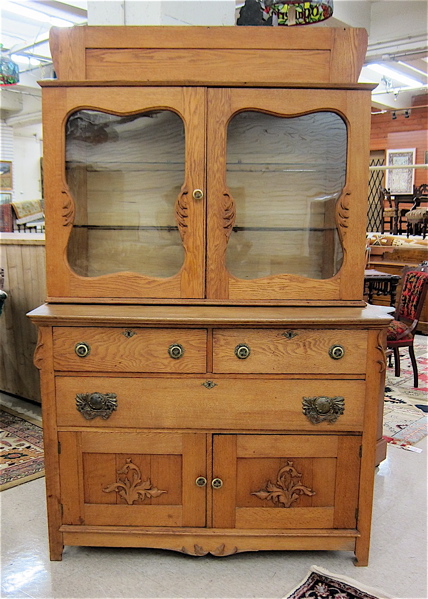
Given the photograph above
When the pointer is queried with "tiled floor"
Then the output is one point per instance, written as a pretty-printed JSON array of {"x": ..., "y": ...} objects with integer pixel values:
[{"x": 397, "y": 564}]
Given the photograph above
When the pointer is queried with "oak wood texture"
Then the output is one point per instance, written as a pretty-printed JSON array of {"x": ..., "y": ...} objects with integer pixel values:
[
  {"x": 274, "y": 478},
  {"x": 171, "y": 402},
  {"x": 25, "y": 283},
  {"x": 186, "y": 54},
  {"x": 273, "y": 351},
  {"x": 130, "y": 350}
]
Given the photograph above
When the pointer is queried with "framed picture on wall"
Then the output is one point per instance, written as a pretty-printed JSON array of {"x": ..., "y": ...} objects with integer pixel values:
[
  {"x": 400, "y": 180},
  {"x": 6, "y": 175}
]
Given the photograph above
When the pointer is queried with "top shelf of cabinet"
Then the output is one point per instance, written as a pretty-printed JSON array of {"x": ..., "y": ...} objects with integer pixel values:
[{"x": 182, "y": 55}]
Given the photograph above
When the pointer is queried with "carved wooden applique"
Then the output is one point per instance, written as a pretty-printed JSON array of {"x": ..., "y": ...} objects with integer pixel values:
[
  {"x": 131, "y": 487},
  {"x": 287, "y": 489},
  {"x": 67, "y": 209},
  {"x": 229, "y": 214},
  {"x": 381, "y": 348},
  {"x": 219, "y": 551},
  {"x": 39, "y": 351},
  {"x": 181, "y": 207},
  {"x": 343, "y": 212}
]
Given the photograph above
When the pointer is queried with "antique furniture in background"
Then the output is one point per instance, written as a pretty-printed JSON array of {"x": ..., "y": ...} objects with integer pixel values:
[
  {"x": 212, "y": 379},
  {"x": 402, "y": 329},
  {"x": 23, "y": 261},
  {"x": 417, "y": 216},
  {"x": 391, "y": 254},
  {"x": 380, "y": 283}
]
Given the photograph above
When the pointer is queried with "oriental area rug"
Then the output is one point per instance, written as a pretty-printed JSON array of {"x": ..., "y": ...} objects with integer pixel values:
[
  {"x": 21, "y": 449},
  {"x": 321, "y": 584},
  {"x": 406, "y": 407}
]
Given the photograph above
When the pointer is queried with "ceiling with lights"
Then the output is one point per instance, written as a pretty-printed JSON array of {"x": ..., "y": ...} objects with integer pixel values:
[{"x": 396, "y": 59}]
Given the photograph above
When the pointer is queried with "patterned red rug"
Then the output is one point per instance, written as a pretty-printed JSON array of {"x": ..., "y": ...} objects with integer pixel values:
[
  {"x": 406, "y": 407},
  {"x": 321, "y": 584},
  {"x": 21, "y": 449}
]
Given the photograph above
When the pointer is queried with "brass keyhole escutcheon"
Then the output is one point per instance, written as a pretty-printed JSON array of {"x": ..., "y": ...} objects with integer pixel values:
[
  {"x": 336, "y": 352},
  {"x": 217, "y": 483},
  {"x": 198, "y": 194},
  {"x": 175, "y": 351},
  {"x": 82, "y": 349},
  {"x": 201, "y": 481},
  {"x": 242, "y": 351}
]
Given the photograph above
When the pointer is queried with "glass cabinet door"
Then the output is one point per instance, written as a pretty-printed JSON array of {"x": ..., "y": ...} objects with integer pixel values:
[
  {"x": 280, "y": 192},
  {"x": 133, "y": 226}
]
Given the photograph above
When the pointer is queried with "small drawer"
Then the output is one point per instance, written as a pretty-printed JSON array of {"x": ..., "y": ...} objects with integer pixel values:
[
  {"x": 129, "y": 350},
  {"x": 217, "y": 403},
  {"x": 286, "y": 351}
]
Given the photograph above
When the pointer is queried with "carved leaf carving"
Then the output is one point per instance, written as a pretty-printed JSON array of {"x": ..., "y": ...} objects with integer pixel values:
[
  {"x": 229, "y": 214},
  {"x": 131, "y": 487},
  {"x": 381, "y": 348},
  {"x": 38, "y": 352},
  {"x": 343, "y": 212},
  {"x": 67, "y": 209},
  {"x": 181, "y": 208},
  {"x": 286, "y": 490}
]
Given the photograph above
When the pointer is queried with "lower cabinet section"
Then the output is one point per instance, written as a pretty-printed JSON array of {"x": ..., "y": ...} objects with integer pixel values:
[{"x": 213, "y": 481}]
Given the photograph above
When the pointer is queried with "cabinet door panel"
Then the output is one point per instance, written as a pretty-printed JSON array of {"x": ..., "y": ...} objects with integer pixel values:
[
  {"x": 286, "y": 481},
  {"x": 287, "y": 198},
  {"x": 149, "y": 481},
  {"x": 126, "y": 224}
]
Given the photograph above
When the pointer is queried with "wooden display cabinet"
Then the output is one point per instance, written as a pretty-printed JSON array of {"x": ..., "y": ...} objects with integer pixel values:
[{"x": 212, "y": 380}]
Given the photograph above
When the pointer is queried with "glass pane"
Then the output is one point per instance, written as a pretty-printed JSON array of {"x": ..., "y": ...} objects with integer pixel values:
[
  {"x": 286, "y": 175},
  {"x": 125, "y": 174}
]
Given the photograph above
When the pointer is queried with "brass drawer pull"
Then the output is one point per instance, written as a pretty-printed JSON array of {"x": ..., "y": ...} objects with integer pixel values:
[
  {"x": 336, "y": 352},
  {"x": 217, "y": 483},
  {"x": 242, "y": 351},
  {"x": 201, "y": 481},
  {"x": 323, "y": 409},
  {"x": 176, "y": 351},
  {"x": 82, "y": 349},
  {"x": 209, "y": 384},
  {"x": 91, "y": 405}
]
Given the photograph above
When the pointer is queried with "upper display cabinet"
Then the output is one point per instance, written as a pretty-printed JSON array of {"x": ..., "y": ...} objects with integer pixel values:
[{"x": 211, "y": 165}]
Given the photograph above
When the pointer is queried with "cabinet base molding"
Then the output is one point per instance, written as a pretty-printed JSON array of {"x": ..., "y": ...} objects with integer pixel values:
[{"x": 218, "y": 542}]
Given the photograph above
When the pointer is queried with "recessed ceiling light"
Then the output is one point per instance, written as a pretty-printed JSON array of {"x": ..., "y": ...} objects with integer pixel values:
[{"x": 395, "y": 75}]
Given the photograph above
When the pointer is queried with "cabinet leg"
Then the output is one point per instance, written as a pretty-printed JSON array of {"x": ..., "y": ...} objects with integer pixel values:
[
  {"x": 361, "y": 552},
  {"x": 56, "y": 547}
]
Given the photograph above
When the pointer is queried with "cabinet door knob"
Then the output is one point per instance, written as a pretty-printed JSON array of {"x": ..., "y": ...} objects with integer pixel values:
[
  {"x": 217, "y": 483},
  {"x": 175, "y": 351},
  {"x": 198, "y": 194},
  {"x": 336, "y": 352},
  {"x": 242, "y": 351},
  {"x": 82, "y": 349},
  {"x": 201, "y": 481}
]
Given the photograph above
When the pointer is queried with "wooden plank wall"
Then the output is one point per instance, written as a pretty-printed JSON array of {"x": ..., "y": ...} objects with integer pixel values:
[
  {"x": 389, "y": 134},
  {"x": 25, "y": 283}
]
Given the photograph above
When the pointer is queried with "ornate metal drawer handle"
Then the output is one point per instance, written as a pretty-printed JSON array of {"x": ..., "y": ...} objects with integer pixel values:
[
  {"x": 82, "y": 349},
  {"x": 242, "y": 351},
  {"x": 91, "y": 405},
  {"x": 323, "y": 409},
  {"x": 175, "y": 351},
  {"x": 336, "y": 352},
  {"x": 209, "y": 384}
]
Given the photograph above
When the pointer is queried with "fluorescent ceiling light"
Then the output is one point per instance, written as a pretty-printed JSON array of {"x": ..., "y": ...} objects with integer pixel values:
[
  {"x": 395, "y": 75},
  {"x": 25, "y": 60},
  {"x": 29, "y": 13},
  {"x": 408, "y": 66}
]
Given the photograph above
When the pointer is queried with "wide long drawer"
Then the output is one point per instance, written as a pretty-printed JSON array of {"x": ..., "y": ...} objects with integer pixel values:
[
  {"x": 289, "y": 351},
  {"x": 220, "y": 403},
  {"x": 92, "y": 349}
]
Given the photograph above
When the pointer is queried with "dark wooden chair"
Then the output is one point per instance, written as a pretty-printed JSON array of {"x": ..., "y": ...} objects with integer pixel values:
[
  {"x": 401, "y": 331},
  {"x": 417, "y": 216},
  {"x": 388, "y": 211}
]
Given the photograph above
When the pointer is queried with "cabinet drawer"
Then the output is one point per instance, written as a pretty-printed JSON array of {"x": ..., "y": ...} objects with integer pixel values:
[
  {"x": 289, "y": 351},
  {"x": 130, "y": 350},
  {"x": 225, "y": 403}
]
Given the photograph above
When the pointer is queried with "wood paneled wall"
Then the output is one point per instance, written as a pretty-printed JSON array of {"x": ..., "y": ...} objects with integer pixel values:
[
  {"x": 23, "y": 260},
  {"x": 391, "y": 134}
]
